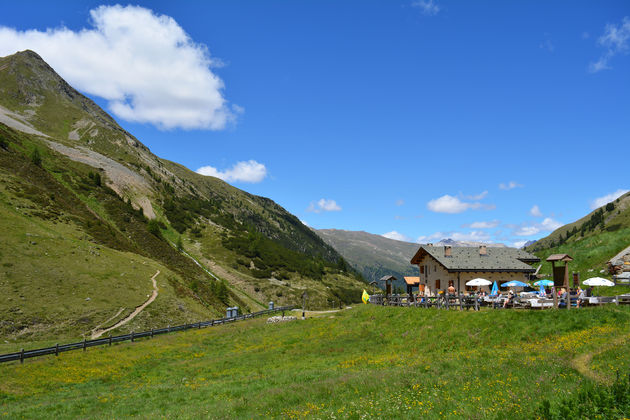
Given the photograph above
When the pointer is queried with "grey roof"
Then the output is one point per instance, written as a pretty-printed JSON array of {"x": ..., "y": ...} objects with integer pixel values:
[{"x": 468, "y": 258}]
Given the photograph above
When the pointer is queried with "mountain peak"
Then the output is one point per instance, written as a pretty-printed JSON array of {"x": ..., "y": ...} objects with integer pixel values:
[{"x": 29, "y": 54}]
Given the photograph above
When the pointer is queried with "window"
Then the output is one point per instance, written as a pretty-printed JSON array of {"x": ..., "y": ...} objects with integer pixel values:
[
  {"x": 422, "y": 269},
  {"x": 437, "y": 284}
]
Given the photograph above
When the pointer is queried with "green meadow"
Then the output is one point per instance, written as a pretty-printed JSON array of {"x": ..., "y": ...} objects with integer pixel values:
[{"x": 364, "y": 362}]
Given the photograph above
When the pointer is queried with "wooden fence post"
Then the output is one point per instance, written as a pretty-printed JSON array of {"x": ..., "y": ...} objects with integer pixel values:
[
  {"x": 151, "y": 332},
  {"x": 22, "y": 356},
  {"x": 83, "y": 343},
  {"x": 110, "y": 340},
  {"x": 57, "y": 349},
  {"x": 132, "y": 336}
]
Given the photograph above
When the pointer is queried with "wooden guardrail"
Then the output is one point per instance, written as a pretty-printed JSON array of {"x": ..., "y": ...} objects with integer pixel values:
[{"x": 60, "y": 348}]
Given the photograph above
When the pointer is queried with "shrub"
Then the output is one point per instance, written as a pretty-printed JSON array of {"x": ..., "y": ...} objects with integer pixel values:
[
  {"x": 592, "y": 401},
  {"x": 154, "y": 228},
  {"x": 96, "y": 178},
  {"x": 36, "y": 158}
]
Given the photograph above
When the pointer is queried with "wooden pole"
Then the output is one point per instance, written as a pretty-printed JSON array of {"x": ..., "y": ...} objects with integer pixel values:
[
  {"x": 566, "y": 281},
  {"x": 553, "y": 289}
]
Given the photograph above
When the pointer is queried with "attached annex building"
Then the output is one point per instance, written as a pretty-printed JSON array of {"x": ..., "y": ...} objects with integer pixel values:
[{"x": 441, "y": 266}]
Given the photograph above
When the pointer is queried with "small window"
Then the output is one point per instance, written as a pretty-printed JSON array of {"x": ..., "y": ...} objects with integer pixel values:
[
  {"x": 437, "y": 284},
  {"x": 422, "y": 269},
  {"x": 435, "y": 268}
]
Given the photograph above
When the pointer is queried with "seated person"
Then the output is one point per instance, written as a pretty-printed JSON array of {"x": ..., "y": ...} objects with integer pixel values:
[
  {"x": 451, "y": 289},
  {"x": 509, "y": 299},
  {"x": 581, "y": 297}
]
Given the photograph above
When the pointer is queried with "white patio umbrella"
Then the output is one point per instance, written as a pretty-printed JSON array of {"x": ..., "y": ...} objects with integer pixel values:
[
  {"x": 478, "y": 282},
  {"x": 598, "y": 281}
]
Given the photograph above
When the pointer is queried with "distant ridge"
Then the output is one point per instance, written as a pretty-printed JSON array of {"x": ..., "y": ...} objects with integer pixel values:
[{"x": 375, "y": 255}]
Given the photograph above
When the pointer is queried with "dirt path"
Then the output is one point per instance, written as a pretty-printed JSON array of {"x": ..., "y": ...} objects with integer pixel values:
[
  {"x": 95, "y": 329},
  {"x": 98, "y": 332},
  {"x": 582, "y": 362}
]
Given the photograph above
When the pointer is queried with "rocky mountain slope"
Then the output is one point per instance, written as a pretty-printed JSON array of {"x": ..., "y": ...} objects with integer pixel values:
[
  {"x": 373, "y": 255},
  {"x": 89, "y": 214}
]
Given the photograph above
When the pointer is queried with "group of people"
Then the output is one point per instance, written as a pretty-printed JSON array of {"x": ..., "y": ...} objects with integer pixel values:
[{"x": 578, "y": 295}]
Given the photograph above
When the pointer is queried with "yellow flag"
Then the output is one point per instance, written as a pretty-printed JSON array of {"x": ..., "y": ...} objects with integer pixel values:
[{"x": 365, "y": 297}]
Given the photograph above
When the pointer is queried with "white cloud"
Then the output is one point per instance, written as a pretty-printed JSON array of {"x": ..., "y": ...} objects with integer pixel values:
[
  {"x": 396, "y": 236},
  {"x": 528, "y": 229},
  {"x": 535, "y": 211},
  {"x": 453, "y": 205},
  {"x": 615, "y": 40},
  {"x": 323, "y": 205},
  {"x": 510, "y": 185},
  {"x": 602, "y": 201},
  {"x": 475, "y": 236},
  {"x": 400, "y": 202},
  {"x": 447, "y": 204},
  {"x": 427, "y": 7},
  {"x": 144, "y": 64},
  {"x": 519, "y": 244},
  {"x": 432, "y": 237},
  {"x": 472, "y": 236},
  {"x": 479, "y": 196},
  {"x": 483, "y": 225},
  {"x": 547, "y": 45},
  {"x": 248, "y": 171}
]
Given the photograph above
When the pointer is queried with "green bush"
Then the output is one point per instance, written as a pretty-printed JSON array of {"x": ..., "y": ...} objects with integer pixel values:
[
  {"x": 36, "y": 157},
  {"x": 154, "y": 228},
  {"x": 592, "y": 401},
  {"x": 96, "y": 178}
]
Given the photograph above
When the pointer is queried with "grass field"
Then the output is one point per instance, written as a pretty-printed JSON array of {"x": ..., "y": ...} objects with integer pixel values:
[{"x": 364, "y": 362}]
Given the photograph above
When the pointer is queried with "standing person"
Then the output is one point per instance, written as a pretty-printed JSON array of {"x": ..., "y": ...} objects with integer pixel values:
[{"x": 451, "y": 288}]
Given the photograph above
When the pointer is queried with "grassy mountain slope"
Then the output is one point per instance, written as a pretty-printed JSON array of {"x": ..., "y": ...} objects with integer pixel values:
[
  {"x": 103, "y": 205},
  {"x": 368, "y": 362},
  {"x": 373, "y": 255},
  {"x": 591, "y": 240}
]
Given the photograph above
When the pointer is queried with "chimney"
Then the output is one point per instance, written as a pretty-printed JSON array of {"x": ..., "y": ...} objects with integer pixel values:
[
  {"x": 429, "y": 244},
  {"x": 448, "y": 251},
  {"x": 483, "y": 250}
]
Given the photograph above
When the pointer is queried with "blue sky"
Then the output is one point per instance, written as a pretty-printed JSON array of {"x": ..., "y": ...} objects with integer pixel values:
[{"x": 493, "y": 121}]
